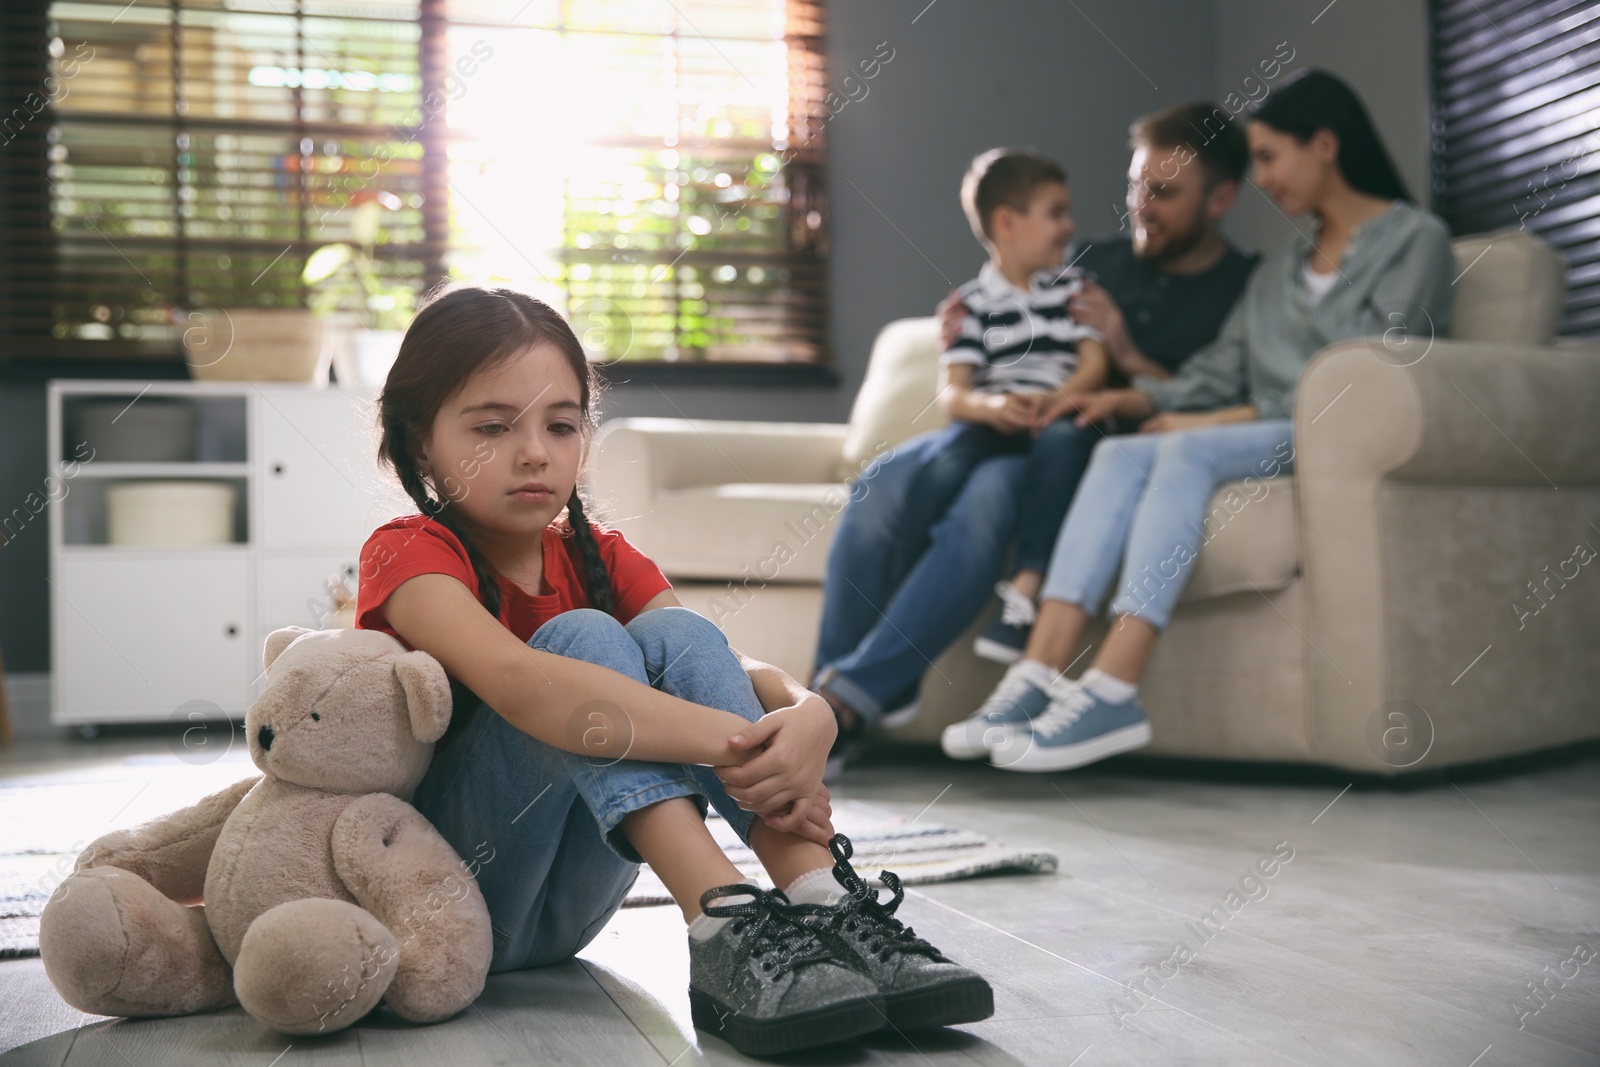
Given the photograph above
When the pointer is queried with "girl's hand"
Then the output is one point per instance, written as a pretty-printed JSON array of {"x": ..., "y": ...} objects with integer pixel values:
[
  {"x": 810, "y": 818},
  {"x": 784, "y": 753}
]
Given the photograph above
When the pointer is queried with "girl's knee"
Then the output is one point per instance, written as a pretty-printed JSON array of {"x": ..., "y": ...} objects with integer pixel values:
[
  {"x": 673, "y": 622},
  {"x": 571, "y": 632}
]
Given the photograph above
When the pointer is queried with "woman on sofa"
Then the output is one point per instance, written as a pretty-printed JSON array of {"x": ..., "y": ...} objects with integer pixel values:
[{"x": 1374, "y": 263}]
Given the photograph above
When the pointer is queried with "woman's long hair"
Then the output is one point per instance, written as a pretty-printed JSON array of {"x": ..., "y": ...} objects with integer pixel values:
[
  {"x": 1312, "y": 100},
  {"x": 459, "y": 330}
]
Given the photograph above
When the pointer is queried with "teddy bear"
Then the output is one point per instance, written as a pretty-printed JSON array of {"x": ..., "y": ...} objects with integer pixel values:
[{"x": 306, "y": 894}]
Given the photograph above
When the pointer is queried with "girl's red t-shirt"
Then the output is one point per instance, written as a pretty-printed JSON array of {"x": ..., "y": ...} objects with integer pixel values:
[{"x": 416, "y": 544}]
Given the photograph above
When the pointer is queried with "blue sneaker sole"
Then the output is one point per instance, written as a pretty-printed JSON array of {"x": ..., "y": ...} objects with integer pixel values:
[{"x": 1037, "y": 757}]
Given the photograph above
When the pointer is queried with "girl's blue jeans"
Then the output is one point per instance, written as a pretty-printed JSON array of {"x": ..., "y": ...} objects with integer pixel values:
[
  {"x": 538, "y": 824},
  {"x": 1142, "y": 505}
]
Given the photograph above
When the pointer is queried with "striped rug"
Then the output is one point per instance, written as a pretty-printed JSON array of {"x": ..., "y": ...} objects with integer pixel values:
[{"x": 45, "y": 821}]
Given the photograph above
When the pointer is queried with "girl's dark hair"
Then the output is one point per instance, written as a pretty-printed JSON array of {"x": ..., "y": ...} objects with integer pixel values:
[
  {"x": 459, "y": 330},
  {"x": 1312, "y": 100}
]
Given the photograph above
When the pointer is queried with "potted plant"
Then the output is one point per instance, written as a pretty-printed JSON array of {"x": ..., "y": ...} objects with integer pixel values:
[{"x": 345, "y": 275}]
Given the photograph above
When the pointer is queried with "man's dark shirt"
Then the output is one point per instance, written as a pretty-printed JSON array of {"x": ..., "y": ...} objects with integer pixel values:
[{"x": 1169, "y": 316}]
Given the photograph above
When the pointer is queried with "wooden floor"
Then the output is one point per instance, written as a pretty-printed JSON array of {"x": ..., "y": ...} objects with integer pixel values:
[{"x": 1405, "y": 929}]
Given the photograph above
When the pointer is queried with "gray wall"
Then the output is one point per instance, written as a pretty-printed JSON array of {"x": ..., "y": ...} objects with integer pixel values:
[{"x": 965, "y": 76}]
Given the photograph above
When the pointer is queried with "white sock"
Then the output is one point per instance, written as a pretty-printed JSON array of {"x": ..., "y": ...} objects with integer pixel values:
[
  {"x": 705, "y": 926},
  {"x": 815, "y": 887},
  {"x": 1040, "y": 674},
  {"x": 1108, "y": 688}
]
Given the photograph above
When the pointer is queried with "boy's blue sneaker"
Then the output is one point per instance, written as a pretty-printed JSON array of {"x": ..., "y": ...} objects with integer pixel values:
[
  {"x": 1077, "y": 728},
  {"x": 1015, "y": 701},
  {"x": 1004, "y": 639}
]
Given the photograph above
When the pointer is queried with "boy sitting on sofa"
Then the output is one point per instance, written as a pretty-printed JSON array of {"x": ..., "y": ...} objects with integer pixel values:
[{"x": 1018, "y": 354}]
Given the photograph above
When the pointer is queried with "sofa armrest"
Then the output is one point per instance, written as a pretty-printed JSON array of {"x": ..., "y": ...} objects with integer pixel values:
[
  {"x": 1421, "y": 490},
  {"x": 635, "y": 458},
  {"x": 1483, "y": 414}
]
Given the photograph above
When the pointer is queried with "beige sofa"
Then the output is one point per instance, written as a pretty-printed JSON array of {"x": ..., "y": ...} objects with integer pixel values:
[{"x": 1375, "y": 611}]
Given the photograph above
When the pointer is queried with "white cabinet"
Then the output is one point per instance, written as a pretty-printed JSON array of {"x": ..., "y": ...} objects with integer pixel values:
[
  {"x": 143, "y": 635},
  {"x": 141, "y": 632},
  {"x": 319, "y": 479},
  {"x": 291, "y": 590}
]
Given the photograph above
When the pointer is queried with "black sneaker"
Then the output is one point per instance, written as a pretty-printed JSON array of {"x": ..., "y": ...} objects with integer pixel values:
[
  {"x": 766, "y": 984},
  {"x": 1004, "y": 638},
  {"x": 920, "y": 986}
]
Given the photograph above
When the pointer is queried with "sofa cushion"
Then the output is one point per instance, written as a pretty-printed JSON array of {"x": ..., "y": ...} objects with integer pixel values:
[
  {"x": 1511, "y": 288},
  {"x": 1250, "y": 539},
  {"x": 754, "y": 533},
  {"x": 895, "y": 401},
  {"x": 745, "y": 532}
]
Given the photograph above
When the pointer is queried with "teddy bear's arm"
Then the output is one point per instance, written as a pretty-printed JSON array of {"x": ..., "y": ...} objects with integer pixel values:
[
  {"x": 399, "y": 868},
  {"x": 170, "y": 852}
]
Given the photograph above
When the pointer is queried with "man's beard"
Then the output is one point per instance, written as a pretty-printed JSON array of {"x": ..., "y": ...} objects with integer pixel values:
[{"x": 1177, "y": 246}]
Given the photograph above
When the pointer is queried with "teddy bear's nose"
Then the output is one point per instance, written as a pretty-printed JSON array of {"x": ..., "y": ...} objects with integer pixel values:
[{"x": 265, "y": 737}]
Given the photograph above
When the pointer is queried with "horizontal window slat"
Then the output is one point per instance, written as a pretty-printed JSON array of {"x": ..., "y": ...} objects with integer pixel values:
[
  {"x": 209, "y": 146},
  {"x": 1515, "y": 96}
]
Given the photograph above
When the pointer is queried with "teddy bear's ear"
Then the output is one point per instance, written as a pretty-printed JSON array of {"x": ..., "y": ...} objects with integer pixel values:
[
  {"x": 277, "y": 641},
  {"x": 427, "y": 694}
]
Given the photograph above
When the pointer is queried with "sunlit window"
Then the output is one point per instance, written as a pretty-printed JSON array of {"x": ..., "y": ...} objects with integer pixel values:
[{"x": 652, "y": 168}]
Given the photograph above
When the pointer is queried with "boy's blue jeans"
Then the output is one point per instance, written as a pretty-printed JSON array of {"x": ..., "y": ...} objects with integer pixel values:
[
  {"x": 881, "y": 626},
  {"x": 538, "y": 824},
  {"x": 1142, "y": 506},
  {"x": 949, "y": 455}
]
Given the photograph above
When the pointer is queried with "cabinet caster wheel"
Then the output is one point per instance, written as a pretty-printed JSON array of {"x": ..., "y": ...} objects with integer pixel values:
[{"x": 87, "y": 731}]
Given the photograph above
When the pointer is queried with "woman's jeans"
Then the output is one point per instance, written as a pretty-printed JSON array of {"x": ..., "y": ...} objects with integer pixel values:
[
  {"x": 882, "y": 625},
  {"x": 1143, "y": 504},
  {"x": 1056, "y": 461},
  {"x": 538, "y": 824}
]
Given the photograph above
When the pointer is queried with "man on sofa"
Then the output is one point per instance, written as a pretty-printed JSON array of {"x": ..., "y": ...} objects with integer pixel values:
[{"x": 1162, "y": 293}]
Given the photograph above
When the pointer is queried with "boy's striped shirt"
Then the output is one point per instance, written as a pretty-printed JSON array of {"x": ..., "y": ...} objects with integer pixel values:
[{"x": 1019, "y": 341}]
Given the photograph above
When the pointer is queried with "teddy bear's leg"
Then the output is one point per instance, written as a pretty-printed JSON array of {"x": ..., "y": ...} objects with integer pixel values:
[
  {"x": 398, "y": 866},
  {"x": 113, "y": 944},
  {"x": 314, "y": 966}
]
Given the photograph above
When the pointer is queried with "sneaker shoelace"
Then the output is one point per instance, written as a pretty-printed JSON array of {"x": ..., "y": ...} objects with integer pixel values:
[
  {"x": 860, "y": 912},
  {"x": 1066, "y": 708},
  {"x": 1015, "y": 608},
  {"x": 775, "y": 941},
  {"x": 1013, "y": 687}
]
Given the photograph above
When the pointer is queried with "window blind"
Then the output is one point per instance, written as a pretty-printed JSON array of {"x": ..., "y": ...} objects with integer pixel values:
[
  {"x": 653, "y": 170},
  {"x": 1516, "y": 130}
]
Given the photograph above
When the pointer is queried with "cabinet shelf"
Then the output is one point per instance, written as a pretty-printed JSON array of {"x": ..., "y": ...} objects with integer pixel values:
[
  {"x": 99, "y": 469},
  {"x": 154, "y": 633},
  {"x": 236, "y": 548}
]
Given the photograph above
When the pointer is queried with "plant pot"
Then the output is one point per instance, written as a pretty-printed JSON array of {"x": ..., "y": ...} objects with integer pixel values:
[{"x": 256, "y": 344}]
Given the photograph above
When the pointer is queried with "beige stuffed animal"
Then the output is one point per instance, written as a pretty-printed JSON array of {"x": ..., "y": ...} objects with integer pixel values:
[{"x": 324, "y": 890}]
